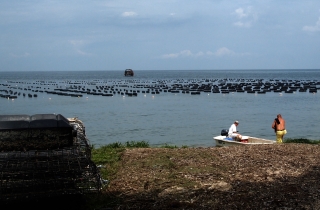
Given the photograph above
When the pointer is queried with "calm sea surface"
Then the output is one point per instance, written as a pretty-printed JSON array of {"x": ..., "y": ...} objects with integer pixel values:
[{"x": 166, "y": 117}]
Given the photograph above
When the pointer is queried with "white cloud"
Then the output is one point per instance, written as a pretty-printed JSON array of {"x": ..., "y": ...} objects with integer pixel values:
[
  {"x": 129, "y": 14},
  {"x": 183, "y": 53},
  {"x": 186, "y": 53},
  {"x": 240, "y": 13},
  {"x": 246, "y": 17},
  {"x": 313, "y": 28},
  {"x": 223, "y": 51},
  {"x": 171, "y": 55}
]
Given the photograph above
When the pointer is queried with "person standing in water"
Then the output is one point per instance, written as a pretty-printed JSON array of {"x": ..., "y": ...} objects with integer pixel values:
[{"x": 279, "y": 126}]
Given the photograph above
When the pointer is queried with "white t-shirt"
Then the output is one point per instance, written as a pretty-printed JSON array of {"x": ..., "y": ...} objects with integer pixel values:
[{"x": 233, "y": 128}]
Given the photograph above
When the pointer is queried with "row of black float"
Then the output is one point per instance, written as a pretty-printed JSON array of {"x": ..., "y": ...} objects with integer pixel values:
[{"x": 13, "y": 89}]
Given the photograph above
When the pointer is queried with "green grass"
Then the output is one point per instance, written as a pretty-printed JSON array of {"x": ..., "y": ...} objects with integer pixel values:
[
  {"x": 168, "y": 146},
  {"x": 109, "y": 156}
]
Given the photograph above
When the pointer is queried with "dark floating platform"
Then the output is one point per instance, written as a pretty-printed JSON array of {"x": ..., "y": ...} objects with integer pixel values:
[{"x": 132, "y": 87}]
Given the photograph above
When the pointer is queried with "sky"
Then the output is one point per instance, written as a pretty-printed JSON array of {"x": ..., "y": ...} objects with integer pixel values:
[{"x": 82, "y": 35}]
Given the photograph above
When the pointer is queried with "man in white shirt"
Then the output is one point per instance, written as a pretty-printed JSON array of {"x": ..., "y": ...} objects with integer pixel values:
[{"x": 233, "y": 133}]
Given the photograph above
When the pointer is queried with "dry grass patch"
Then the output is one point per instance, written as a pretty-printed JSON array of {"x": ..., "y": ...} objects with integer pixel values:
[{"x": 252, "y": 177}]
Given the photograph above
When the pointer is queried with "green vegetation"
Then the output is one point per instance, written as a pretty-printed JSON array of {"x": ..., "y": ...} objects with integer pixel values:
[
  {"x": 168, "y": 146},
  {"x": 109, "y": 156}
]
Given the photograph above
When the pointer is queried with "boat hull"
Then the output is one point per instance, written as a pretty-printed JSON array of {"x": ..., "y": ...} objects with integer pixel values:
[{"x": 222, "y": 141}]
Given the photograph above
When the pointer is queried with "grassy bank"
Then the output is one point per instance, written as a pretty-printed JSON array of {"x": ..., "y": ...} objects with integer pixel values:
[
  {"x": 112, "y": 159},
  {"x": 109, "y": 155}
]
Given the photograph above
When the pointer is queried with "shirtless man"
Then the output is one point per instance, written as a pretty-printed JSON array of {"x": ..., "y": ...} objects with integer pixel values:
[{"x": 279, "y": 126}]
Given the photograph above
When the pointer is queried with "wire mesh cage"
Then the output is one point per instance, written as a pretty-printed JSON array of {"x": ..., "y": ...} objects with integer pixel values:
[{"x": 45, "y": 156}]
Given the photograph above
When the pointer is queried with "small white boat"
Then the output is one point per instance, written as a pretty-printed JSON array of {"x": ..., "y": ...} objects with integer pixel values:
[{"x": 223, "y": 140}]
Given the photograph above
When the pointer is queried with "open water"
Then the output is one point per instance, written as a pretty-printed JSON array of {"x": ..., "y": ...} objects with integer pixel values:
[{"x": 154, "y": 113}]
